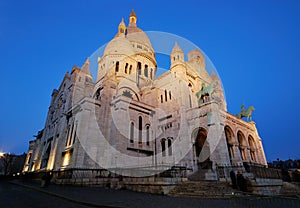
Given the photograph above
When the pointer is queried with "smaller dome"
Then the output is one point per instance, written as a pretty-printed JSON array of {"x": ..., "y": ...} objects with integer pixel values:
[{"x": 119, "y": 45}]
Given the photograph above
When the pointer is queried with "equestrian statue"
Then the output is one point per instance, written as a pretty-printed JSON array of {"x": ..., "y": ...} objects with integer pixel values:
[
  {"x": 246, "y": 113},
  {"x": 205, "y": 94}
]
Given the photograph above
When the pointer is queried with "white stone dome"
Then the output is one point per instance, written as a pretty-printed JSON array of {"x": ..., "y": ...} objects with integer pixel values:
[{"x": 119, "y": 45}]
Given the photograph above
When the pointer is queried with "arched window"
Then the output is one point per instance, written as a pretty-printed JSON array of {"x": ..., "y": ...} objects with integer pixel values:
[
  {"x": 139, "y": 68},
  {"x": 161, "y": 99},
  {"x": 140, "y": 129},
  {"x": 200, "y": 141},
  {"x": 166, "y": 96},
  {"x": 126, "y": 66},
  {"x": 117, "y": 66},
  {"x": 98, "y": 93},
  {"x": 69, "y": 135},
  {"x": 170, "y": 96},
  {"x": 170, "y": 146},
  {"x": 163, "y": 147},
  {"x": 131, "y": 132},
  {"x": 46, "y": 156},
  {"x": 130, "y": 69},
  {"x": 148, "y": 135},
  {"x": 72, "y": 141},
  {"x": 146, "y": 70}
]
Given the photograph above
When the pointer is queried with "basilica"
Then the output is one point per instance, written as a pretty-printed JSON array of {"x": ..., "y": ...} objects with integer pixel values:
[{"x": 134, "y": 123}]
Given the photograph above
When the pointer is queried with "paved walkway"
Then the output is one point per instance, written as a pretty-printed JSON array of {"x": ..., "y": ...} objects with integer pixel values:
[
  {"x": 12, "y": 196},
  {"x": 104, "y": 197}
]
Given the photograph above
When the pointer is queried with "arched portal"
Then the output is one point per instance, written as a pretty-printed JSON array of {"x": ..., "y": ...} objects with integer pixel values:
[
  {"x": 242, "y": 145},
  {"x": 201, "y": 148},
  {"x": 230, "y": 141},
  {"x": 252, "y": 148}
]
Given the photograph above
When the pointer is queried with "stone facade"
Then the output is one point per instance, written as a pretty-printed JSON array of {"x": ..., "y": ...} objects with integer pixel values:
[{"x": 129, "y": 119}]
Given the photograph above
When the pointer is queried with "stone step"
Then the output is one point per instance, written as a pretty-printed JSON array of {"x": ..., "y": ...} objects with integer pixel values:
[
  {"x": 290, "y": 188},
  {"x": 203, "y": 174},
  {"x": 203, "y": 189}
]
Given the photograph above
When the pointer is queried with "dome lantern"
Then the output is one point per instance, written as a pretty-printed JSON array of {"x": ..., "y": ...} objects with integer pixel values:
[{"x": 132, "y": 18}]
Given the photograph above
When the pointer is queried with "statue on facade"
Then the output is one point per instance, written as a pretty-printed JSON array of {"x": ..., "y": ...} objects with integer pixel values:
[
  {"x": 205, "y": 94},
  {"x": 246, "y": 113}
]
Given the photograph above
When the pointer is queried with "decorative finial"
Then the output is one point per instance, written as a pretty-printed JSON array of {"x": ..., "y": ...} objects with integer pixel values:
[{"x": 132, "y": 13}]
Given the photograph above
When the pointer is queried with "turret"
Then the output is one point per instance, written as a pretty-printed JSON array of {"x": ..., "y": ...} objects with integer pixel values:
[
  {"x": 196, "y": 58},
  {"x": 177, "y": 55},
  {"x": 86, "y": 67},
  {"x": 121, "y": 29}
]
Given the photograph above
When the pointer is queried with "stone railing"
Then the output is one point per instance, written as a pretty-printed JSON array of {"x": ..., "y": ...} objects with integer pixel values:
[
  {"x": 224, "y": 171},
  {"x": 257, "y": 171},
  {"x": 158, "y": 171},
  {"x": 263, "y": 172}
]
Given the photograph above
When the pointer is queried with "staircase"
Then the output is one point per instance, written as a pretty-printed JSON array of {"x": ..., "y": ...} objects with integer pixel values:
[
  {"x": 203, "y": 174},
  {"x": 203, "y": 189},
  {"x": 290, "y": 189}
]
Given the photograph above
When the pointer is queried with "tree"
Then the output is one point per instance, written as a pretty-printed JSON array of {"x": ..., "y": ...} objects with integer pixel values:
[{"x": 7, "y": 161}]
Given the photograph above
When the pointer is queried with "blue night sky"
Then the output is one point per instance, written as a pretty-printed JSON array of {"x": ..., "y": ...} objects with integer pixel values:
[{"x": 254, "y": 46}]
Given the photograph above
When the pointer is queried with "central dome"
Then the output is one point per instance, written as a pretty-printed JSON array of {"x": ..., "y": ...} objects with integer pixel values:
[
  {"x": 135, "y": 34},
  {"x": 130, "y": 39},
  {"x": 119, "y": 45}
]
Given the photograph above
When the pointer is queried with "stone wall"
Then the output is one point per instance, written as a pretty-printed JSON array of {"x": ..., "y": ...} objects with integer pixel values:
[{"x": 148, "y": 184}]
